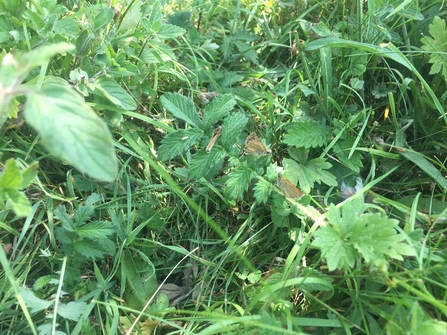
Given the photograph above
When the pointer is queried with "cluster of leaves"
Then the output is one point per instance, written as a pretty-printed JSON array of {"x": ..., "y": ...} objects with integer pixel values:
[{"x": 320, "y": 116}]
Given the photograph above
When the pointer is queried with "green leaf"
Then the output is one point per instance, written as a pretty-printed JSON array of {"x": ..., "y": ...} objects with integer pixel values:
[
  {"x": 97, "y": 229},
  {"x": 61, "y": 214},
  {"x": 83, "y": 213},
  {"x": 342, "y": 149},
  {"x": 238, "y": 181},
  {"x": 114, "y": 92},
  {"x": 141, "y": 281},
  {"x": 232, "y": 128},
  {"x": 89, "y": 249},
  {"x": 170, "y": 31},
  {"x": 436, "y": 47},
  {"x": 72, "y": 310},
  {"x": 247, "y": 51},
  {"x": 34, "y": 303},
  {"x": 307, "y": 134},
  {"x": 202, "y": 162},
  {"x": 176, "y": 143},
  {"x": 262, "y": 191},
  {"x": 67, "y": 26},
  {"x": 71, "y": 131},
  {"x": 181, "y": 107},
  {"x": 131, "y": 19},
  {"x": 103, "y": 18},
  {"x": 11, "y": 176},
  {"x": 218, "y": 108},
  {"x": 28, "y": 175},
  {"x": 18, "y": 201},
  {"x": 42, "y": 55},
  {"x": 155, "y": 20}
]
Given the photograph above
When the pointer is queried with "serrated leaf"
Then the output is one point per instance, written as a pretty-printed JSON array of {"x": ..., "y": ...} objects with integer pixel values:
[
  {"x": 103, "y": 18},
  {"x": 72, "y": 310},
  {"x": 436, "y": 47},
  {"x": 338, "y": 254},
  {"x": 170, "y": 31},
  {"x": 307, "y": 135},
  {"x": 155, "y": 20},
  {"x": 178, "y": 142},
  {"x": 72, "y": 131},
  {"x": 34, "y": 303},
  {"x": 218, "y": 108},
  {"x": 342, "y": 149},
  {"x": 238, "y": 181},
  {"x": 99, "y": 229},
  {"x": 181, "y": 107},
  {"x": 89, "y": 249},
  {"x": 202, "y": 162},
  {"x": 247, "y": 51},
  {"x": 262, "y": 191},
  {"x": 11, "y": 176},
  {"x": 232, "y": 128},
  {"x": 114, "y": 92}
]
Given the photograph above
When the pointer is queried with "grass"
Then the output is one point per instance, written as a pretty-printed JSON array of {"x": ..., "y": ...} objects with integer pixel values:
[{"x": 128, "y": 226}]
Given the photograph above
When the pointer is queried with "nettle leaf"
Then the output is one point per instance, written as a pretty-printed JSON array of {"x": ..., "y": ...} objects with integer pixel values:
[
  {"x": 217, "y": 109},
  {"x": 114, "y": 92},
  {"x": 238, "y": 181},
  {"x": 181, "y": 107},
  {"x": 170, "y": 31},
  {"x": 342, "y": 149},
  {"x": 178, "y": 142},
  {"x": 307, "y": 134},
  {"x": 232, "y": 128},
  {"x": 97, "y": 229},
  {"x": 262, "y": 191},
  {"x": 72, "y": 131},
  {"x": 89, "y": 249},
  {"x": 34, "y": 303},
  {"x": 202, "y": 162},
  {"x": 72, "y": 311},
  {"x": 436, "y": 47}
]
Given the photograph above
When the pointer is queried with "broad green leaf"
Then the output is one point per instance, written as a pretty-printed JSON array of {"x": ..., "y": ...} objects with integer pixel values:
[
  {"x": 342, "y": 149},
  {"x": 34, "y": 303},
  {"x": 28, "y": 175},
  {"x": 181, "y": 107},
  {"x": 131, "y": 19},
  {"x": 238, "y": 181},
  {"x": 307, "y": 135},
  {"x": 103, "y": 18},
  {"x": 67, "y": 26},
  {"x": 97, "y": 229},
  {"x": 71, "y": 131},
  {"x": 247, "y": 51},
  {"x": 217, "y": 109},
  {"x": 42, "y": 55},
  {"x": 334, "y": 249},
  {"x": 114, "y": 92},
  {"x": 11, "y": 176},
  {"x": 170, "y": 31},
  {"x": 18, "y": 201},
  {"x": 72, "y": 310},
  {"x": 178, "y": 142},
  {"x": 89, "y": 249},
  {"x": 155, "y": 20},
  {"x": 202, "y": 162},
  {"x": 141, "y": 281},
  {"x": 13, "y": 7},
  {"x": 262, "y": 191},
  {"x": 232, "y": 128}
]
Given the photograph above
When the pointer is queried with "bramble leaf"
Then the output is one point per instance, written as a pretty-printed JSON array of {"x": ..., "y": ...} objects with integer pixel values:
[
  {"x": 231, "y": 129},
  {"x": 178, "y": 142},
  {"x": 238, "y": 181},
  {"x": 307, "y": 134},
  {"x": 181, "y": 107},
  {"x": 217, "y": 109}
]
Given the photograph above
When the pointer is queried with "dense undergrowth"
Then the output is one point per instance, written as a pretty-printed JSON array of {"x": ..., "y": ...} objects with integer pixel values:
[{"x": 223, "y": 167}]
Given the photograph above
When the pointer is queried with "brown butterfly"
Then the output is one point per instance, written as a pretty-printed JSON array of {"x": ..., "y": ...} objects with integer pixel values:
[
  {"x": 290, "y": 191},
  {"x": 216, "y": 134},
  {"x": 254, "y": 146}
]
